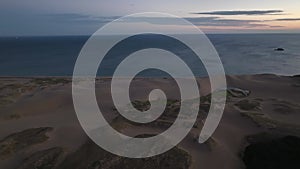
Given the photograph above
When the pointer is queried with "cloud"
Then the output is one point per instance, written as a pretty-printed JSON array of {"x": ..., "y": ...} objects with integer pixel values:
[
  {"x": 276, "y": 26},
  {"x": 205, "y": 21},
  {"x": 288, "y": 19},
  {"x": 73, "y": 18},
  {"x": 243, "y": 12},
  {"x": 199, "y": 21},
  {"x": 220, "y": 22},
  {"x": 83, "y": 24},
  {"x": 79, "y": 18}
]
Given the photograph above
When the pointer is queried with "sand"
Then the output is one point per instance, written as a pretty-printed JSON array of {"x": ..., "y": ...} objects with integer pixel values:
[{"x": 30, "y": 103}]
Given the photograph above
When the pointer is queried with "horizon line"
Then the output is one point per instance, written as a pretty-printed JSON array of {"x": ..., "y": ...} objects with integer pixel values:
[{"x": 88, "y": 35}]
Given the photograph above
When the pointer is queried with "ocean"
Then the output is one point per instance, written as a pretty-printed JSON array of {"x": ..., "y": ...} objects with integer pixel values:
[{"x": 239, "y": 53}]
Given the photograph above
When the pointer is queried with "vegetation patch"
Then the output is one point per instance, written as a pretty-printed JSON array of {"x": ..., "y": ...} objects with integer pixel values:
[
  {"x": 91, "y": 156},
  {"x": 45, "y": 159},
  {"x": 50, "y": 81},
  {"x": 248, "y": 105},
  {"x": 261, "y": 119},
  {"x": 20, "y": 140}
]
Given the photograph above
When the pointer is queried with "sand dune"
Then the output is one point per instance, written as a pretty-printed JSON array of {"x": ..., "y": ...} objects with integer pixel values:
[{"x": 27, "y": 104}]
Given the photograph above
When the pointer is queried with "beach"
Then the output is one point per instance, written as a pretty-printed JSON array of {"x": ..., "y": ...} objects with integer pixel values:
[{"x": 39, "y": 126}]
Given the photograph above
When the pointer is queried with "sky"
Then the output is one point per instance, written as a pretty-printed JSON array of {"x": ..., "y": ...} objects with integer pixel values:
[{"x": 79, "y": 17}]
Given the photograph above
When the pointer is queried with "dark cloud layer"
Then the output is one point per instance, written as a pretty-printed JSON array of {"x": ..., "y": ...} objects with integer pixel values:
[
  {"x": 288, "y": 19},
  {"x": 79, "y": 18},
  {"x": 243, "y": 12},
  {"x": 216, "y": 21},
  {"x": 199, "y": 21}
]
